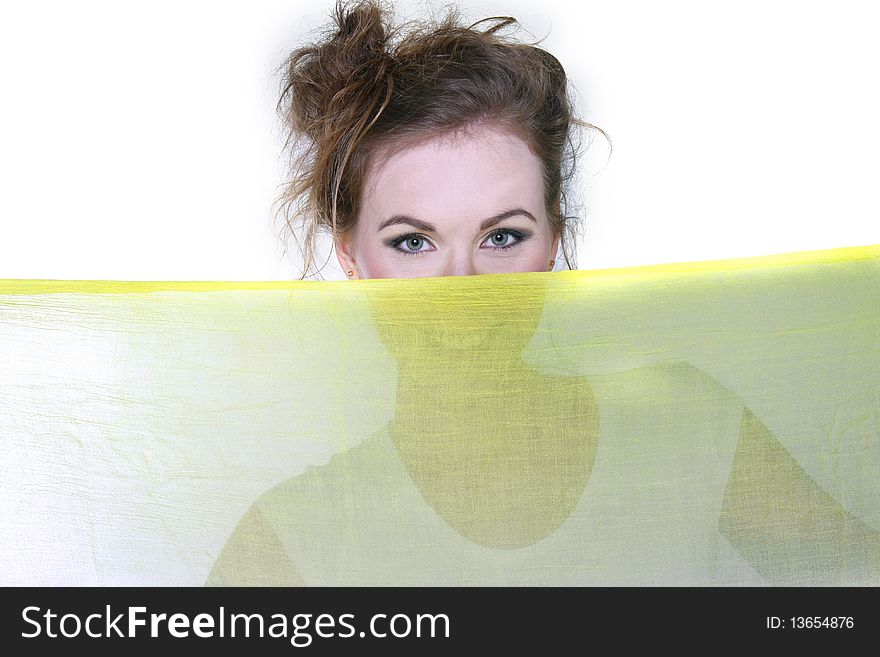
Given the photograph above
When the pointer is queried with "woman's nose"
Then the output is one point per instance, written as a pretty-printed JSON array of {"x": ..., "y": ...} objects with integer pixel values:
[{"x": 459, "y": 265}]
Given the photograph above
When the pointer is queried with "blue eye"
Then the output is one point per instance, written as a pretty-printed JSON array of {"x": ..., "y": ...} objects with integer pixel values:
[
  {"x": 409, "y": 239},
  {"x": 415, "y": 240},
  {"x": 504, "y": 234}
]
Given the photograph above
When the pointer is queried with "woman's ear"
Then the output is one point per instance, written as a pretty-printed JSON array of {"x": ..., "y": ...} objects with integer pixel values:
[
  {"x": 555, "y": 248},
  {"x": 346, "y": 259},
  {"x": 558, "y": 210}
]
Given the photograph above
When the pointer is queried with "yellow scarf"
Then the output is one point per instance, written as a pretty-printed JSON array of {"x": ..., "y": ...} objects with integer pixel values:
[{"x": 691, "y": 423}]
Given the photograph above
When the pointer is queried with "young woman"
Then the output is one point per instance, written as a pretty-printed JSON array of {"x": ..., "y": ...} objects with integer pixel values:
[{"x": 440, "y": 149}]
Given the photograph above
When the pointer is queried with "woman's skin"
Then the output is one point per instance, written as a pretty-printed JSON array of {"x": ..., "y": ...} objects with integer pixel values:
[{"x": 459, "y": 200}]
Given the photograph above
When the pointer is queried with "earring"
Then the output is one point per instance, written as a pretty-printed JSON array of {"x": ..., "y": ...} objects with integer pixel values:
[
  {"x": 552, "y": 262},
  {"x": 350, "y": 273}
]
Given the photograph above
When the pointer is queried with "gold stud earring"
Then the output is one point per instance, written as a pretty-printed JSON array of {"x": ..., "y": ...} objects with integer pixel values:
[
  {"x": 350, "y": 273},
  {"x": 552, "y": 262}
]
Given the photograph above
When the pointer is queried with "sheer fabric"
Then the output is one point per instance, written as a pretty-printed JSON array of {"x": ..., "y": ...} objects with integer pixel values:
[{"x": 709, "y": 423}]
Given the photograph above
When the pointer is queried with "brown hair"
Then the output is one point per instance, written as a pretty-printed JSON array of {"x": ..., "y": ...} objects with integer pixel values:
[{"x": 370, "y": 86}]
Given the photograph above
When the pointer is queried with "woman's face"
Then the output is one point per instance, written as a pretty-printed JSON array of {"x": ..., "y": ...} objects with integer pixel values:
[{"x": 473, "y": 204}]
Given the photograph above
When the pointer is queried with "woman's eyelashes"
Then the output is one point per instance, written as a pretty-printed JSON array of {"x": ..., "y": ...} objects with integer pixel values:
[{"x": 498, "y": 240}]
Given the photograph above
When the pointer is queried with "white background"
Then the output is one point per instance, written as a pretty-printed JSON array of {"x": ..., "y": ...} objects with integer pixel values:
[{"x": 138, "y": 141}]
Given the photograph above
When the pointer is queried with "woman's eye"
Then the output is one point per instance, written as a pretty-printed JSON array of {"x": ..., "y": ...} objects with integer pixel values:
[
  {"x": 499, "y": 239},
  {"x": 410, "y": 244}
]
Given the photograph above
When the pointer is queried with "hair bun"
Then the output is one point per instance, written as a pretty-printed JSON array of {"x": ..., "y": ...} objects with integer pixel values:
[
  {"x": 361, "y": 39},
  {"x": 347, "y": 66},
  {"x": 360, "y": 28}
]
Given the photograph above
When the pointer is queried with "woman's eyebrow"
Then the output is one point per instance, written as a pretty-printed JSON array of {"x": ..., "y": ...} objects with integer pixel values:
[{"x": 425, "y": 226}]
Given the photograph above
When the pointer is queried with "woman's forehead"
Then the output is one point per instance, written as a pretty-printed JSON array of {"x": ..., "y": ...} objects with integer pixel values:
[{"x": 469, "y": 174}]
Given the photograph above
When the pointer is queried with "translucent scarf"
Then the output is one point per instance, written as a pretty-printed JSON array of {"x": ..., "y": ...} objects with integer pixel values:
[{"x": 708, "y": 423}]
